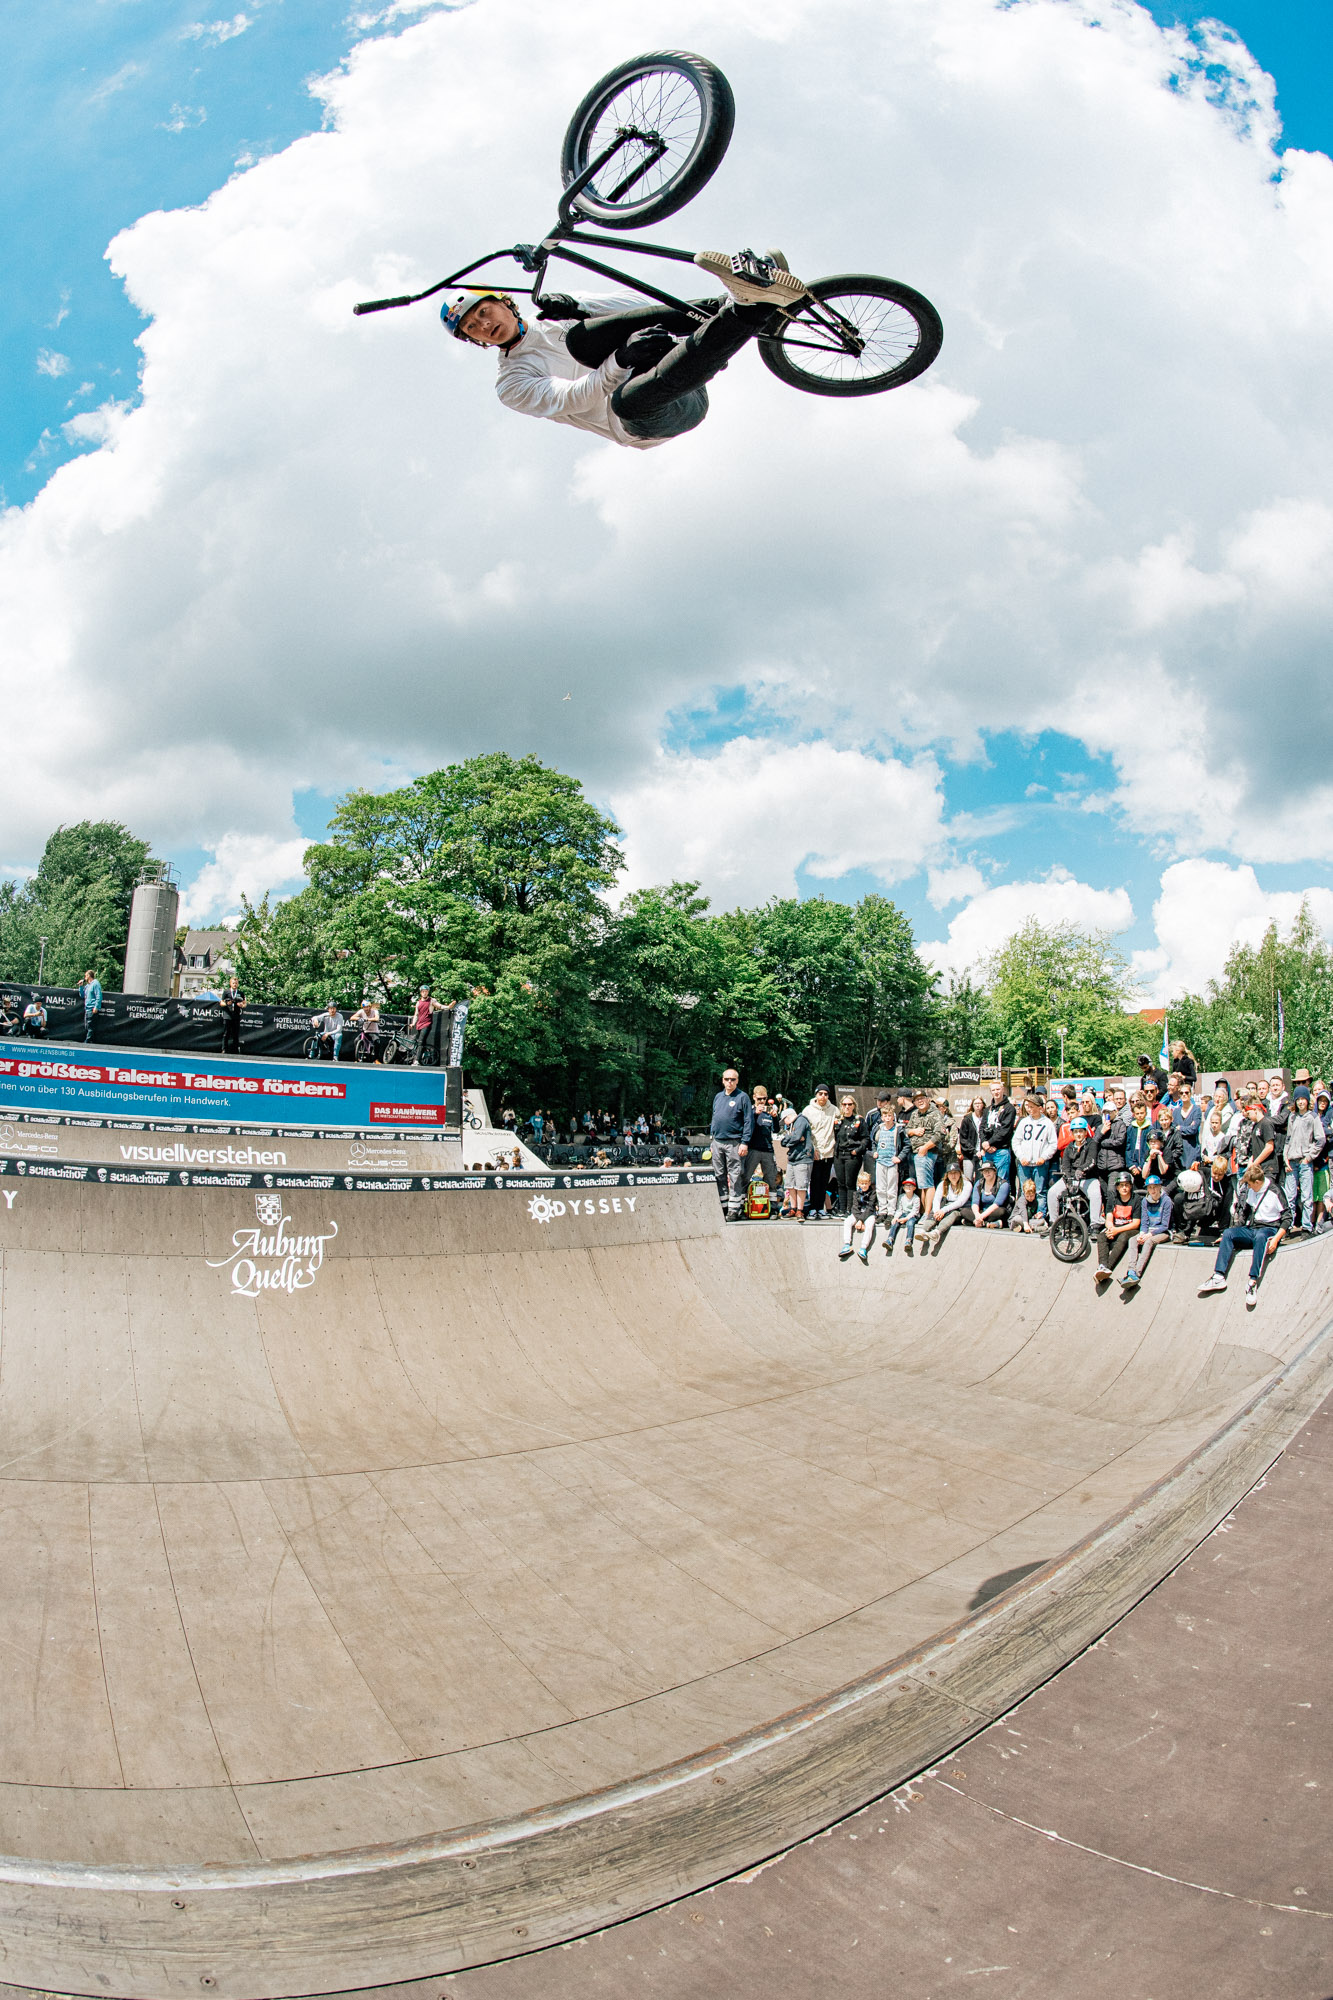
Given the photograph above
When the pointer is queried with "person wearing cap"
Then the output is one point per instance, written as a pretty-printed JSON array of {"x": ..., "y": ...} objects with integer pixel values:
[
  {"x": 1078, "y": 1169},
  {"x": 1034, "y": 1149},
  {"x": 1262, "y": 1220},
  {"x": 1165, "y": 1152},
  {"x": 799, "y": 1145},
  {"x": 953, "y": 1203},
  {"x": 997, "y": 1135},
  {"x": 823, "y": 1126},
  {"x": 924, "y": 1132},
  {"x": 1121, "y": 1223},
  {"x": 990, "y": 1197},
  {"x": 1149, "y": 1072},
  {"x": 1154, "y": 1228},
  {"x": 632, "y": 373},
  {"x": 1305, "y": 1144},
  {"x": 906, "y": 1215}
]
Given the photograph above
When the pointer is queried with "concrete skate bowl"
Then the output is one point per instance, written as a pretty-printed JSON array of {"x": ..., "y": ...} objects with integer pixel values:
[{"x": 393, "y": 1583}]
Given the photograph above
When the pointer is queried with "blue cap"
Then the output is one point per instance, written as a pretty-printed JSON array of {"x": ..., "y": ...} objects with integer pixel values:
[{"x": 1153, "y": 1180}]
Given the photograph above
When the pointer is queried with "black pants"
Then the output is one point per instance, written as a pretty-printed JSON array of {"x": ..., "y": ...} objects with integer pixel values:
[
  {"x": 670, "y": 397},
  {"x": 819, "y": 1180},
  {"x": 1110, "y": 1249},
  {"x": 231, "y": 1035},
  {"x": 846, "y": 1167}
]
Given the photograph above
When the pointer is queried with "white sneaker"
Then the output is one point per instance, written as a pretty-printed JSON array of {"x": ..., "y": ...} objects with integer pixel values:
[
  {"x": 752, "y": 280},
  {"x": 1251, "y": 1296},
  {"x": 1217, "y": 1283},
  {"x": 1102, "y": 1275}
]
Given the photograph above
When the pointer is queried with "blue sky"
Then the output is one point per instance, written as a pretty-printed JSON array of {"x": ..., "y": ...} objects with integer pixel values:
[{"x": 110, "y": 109}]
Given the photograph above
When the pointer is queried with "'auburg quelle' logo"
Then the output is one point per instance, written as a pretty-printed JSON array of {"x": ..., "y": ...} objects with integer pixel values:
[{"x": 269, "y": 1258}]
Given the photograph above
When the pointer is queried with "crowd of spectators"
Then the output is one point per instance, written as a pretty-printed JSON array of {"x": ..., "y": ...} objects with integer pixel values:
[
  {"x": 600, "y": 1137},
  {"x": 1153, "y": 1164}
]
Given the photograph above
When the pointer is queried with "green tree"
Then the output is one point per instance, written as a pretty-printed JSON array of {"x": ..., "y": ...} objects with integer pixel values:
[
  {"x": 1048, "y": 977},
  {"x": 483, "y": 880},
  {"x": 79, "y": 900},
  {"x": 968, "y": 1030},
  {"x": 1235, "y": 1024}
]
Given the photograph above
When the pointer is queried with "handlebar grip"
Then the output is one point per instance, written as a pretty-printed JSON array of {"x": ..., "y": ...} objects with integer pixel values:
[{"x": 381, "y": 305}]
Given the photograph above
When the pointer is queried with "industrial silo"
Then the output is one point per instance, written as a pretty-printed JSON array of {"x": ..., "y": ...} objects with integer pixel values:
[{"x": 150, "y": 953}]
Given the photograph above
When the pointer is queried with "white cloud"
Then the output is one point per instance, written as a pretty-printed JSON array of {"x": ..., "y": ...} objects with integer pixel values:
[
  {"x": 116, "y": 82},
  {"x": 184, "y": 118},
  {"x": 953, "y": 884},
  {"x": 319, "y": 543},
  {"x": 1206, "y": 907},
  {"x": 51, "y": 363},
  {"x": 992, "y": 915},
  {"x": 743, "y": 821},
  {"x": 242, "y": 864},
  {"x": 215, "y": 32}
]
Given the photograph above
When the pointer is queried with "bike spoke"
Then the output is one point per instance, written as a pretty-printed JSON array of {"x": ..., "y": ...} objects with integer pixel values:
[
  {"x": 887, "y": 334},
  {"x": 664, "y": 107}
]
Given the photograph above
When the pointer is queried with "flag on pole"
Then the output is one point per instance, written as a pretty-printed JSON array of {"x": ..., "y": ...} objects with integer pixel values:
[
  {"x": 1165, "y": 1057},
  {"x": 1281, "y": 1022}
]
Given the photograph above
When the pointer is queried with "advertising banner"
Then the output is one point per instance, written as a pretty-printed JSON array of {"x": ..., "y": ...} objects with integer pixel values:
[{"x": 93, "y": 1081}]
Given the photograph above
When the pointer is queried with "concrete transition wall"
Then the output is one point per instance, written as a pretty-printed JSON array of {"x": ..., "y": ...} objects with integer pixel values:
[{"x": 388, "y": 1584}]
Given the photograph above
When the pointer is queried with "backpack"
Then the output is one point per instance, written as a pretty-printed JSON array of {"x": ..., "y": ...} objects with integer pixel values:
[{"x": 756, "y": 1199}]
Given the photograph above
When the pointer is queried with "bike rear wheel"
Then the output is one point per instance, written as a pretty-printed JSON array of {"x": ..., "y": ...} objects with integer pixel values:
[
  {"x": 855, "y": 336},
  {"x": 680, "y": 112},
  {"x": 1070, "y": 1238}
]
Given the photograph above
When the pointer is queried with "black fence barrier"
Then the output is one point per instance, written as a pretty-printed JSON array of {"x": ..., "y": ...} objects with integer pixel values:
[{"x": 141, "y": 1021}]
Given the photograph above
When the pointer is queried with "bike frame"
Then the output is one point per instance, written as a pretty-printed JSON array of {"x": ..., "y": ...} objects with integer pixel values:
[{"x": 567, "y": 231}]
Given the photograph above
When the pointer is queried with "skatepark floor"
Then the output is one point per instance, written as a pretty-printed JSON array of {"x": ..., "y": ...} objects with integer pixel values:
[{"x": 1152, "y": 1824}]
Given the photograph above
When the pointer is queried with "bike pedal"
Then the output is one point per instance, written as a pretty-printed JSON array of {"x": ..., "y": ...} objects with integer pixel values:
[{"x": 754, "y": 269}]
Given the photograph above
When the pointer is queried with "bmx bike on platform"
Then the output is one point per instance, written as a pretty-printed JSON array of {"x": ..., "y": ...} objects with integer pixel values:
[{"x": 643, "y": 142}]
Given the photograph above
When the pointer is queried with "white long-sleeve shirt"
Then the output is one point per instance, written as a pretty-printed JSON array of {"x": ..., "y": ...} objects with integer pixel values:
[
  {"x": 1034, "y": 1141},
  {"x": 539, "y": 377}
]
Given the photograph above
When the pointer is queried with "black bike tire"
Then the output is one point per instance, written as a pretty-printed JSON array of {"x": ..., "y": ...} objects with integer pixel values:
[
  {"x": 310, "y": 1048},
  {"x": 1073, "y": 1227},
  {"x": 930, "y": 329},
  {"x": 705, "y": 157},
  {"x": 389, "y": 1053}
]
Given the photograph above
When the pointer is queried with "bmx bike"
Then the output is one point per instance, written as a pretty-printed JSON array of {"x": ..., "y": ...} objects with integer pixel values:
[
  {"x": 1071, "y": 1232},
  {"x": 400, "y": 1046},
  {"x": 643, "y": 142}
]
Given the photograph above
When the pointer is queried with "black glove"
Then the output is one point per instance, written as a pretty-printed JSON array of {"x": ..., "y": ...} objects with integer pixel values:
[
  {"x": 559, "y": 305},
  {"x": 644, "y": 349}
]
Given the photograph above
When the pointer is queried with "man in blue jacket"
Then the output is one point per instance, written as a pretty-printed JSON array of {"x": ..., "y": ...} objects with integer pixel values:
[
  {"x": 92, "y": 1002},
  {"x": 729, "y": 1137}
]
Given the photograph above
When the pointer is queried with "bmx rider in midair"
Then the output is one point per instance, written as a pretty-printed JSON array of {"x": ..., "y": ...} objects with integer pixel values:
[{"x": 638, "y": 375}]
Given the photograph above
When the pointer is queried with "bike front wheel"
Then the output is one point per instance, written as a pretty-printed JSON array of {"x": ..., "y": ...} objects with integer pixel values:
[
  {"x": 855, "y": 336},
  {"x": 673, "y": 113},
  {"x": 1070, "y": 1238}
]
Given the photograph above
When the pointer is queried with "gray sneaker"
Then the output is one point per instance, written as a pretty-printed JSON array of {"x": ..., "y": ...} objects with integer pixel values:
[
  {"x": 753, "y": 280},
  {"x": 1217, "y": 1283}
]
